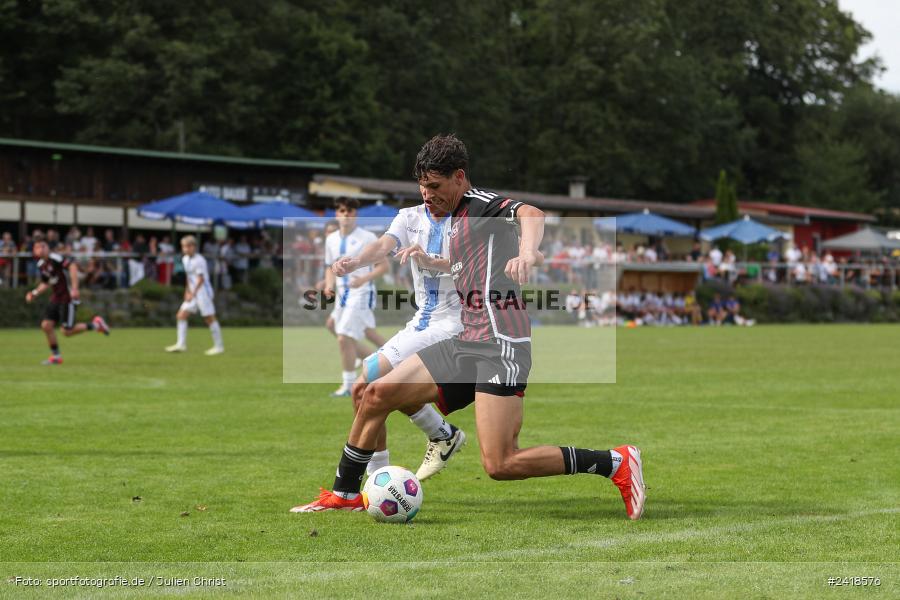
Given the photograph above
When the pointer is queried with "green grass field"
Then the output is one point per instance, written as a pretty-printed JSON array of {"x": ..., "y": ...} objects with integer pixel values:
[{"x": 771, "y": 457}]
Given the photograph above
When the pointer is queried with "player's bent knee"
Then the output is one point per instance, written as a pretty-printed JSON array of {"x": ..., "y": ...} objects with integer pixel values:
[
  {"x": 357, "y": 392},
  {"x": 499, "y": 469},
  {"x": 378, "y": 397}
]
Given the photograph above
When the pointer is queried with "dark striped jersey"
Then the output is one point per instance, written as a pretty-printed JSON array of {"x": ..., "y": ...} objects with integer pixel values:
[
  {"x": 53, "y": 273},
  {"x": 484, "y": 236}
]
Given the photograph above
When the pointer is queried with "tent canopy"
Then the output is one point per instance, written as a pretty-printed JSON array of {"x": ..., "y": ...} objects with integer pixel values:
[
  {"x": 863, "y": 240},
  {"x": 745, "y": 231},
  {"x": 196, "y": 208},
  {"x": 272, "y": 214},
  {"x": 645, "y": 223}
]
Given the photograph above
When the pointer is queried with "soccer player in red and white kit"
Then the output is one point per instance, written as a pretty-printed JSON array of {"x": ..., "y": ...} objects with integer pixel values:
[
  {"x": 494, "y": 244},
  {"x": 60, "y": 312}
]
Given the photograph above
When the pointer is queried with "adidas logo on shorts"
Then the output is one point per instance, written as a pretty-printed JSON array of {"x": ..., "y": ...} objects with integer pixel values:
[{"x": 495, "y": 379}]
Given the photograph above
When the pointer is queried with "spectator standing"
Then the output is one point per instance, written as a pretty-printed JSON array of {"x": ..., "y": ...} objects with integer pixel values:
[
  {"x": 165, "y": 260},
  {"x": 715, "y": 255},
  {"x": 109, "y": 241},
  {"x": 226, "y": 258},
  {"x": 8, "y": 250},
  {"x": 696, "y": 253},
  {"x": 211, "y": 253},
  {"x": 831, "y": 268},
  {"x": 89, "y": 243},
  {"x": 73, "y": 239},
  {"x": 53, "y": 241},
  {"x": 242, "y": 251}
]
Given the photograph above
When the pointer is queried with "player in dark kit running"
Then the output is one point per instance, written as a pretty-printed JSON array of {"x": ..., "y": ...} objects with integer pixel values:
[
  {"x": 63, "y": 301},
  {"x": 493, "y": 246}
]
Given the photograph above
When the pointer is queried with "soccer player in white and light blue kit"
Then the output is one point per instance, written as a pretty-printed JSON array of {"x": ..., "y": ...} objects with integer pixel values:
[
  {"x": 354, "y": 296},
  {"x": 419, "y": 235},
  {"x": 198, "y": 297}
]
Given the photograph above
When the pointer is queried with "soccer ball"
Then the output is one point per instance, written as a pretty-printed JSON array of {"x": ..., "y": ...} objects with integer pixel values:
[{"x": 392, "y": 495}]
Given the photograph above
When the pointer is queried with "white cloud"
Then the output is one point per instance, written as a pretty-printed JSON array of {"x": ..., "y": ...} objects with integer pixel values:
[{"x": 882, "y": 19}]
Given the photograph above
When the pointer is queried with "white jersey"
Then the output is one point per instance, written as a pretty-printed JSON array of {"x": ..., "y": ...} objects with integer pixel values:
[
  {"x": 195, "y": 268},
  {"x": 436, "y": 296},
  {"x": 351, "y": 245}
]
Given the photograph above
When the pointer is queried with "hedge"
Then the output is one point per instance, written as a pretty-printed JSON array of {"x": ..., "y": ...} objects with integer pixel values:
[
  {"x": 259, "y": 303},
  {"x": 807, "y": 304}
]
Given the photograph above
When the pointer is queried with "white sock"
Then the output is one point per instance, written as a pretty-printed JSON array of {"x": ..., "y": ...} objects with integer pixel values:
[
  {"x": 381, "y": 458},
  {"x": 216, "y": 332},
  {"x": 182, "y": 332},
  {"x": 348, "y": 377},
  {"x": 430, "y": 421},
  {"x": 616, "y": 461}
]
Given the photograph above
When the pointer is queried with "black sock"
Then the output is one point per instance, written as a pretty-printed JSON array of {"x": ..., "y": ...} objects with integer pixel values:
[
  {"x": 582, "y": 460},
  {"x": 445, "y": 435},
  {"x": 351, "y": 469},
  {"x": 90, "y": 326},
  {"x": 54, "y": 348}
]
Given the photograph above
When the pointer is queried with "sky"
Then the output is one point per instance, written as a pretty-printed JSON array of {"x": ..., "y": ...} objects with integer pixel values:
[{"x": 882, "y": 19}]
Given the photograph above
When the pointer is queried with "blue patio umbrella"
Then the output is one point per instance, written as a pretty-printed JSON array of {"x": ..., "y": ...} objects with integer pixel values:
[
  {"x": 645, "y": 223},
  {"x": 272, "y": 214},
  {"x": 376, "y": 216},
  {"x": 196, "y": 208},
  {"x": 745, "y": 231},
  {"x": 373, "y": 216}
]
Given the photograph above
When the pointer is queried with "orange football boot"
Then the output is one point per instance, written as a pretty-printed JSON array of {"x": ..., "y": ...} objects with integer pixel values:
[
  {"x": 629, "y": 478},
  {"x": 330, "y": 501}
]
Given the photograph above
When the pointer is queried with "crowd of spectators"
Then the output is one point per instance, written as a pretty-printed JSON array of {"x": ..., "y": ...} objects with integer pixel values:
[
  {"x": 109, "y": 260},
  {"x": 634, "y": 308},
  {"x": 112, "y": 261}
]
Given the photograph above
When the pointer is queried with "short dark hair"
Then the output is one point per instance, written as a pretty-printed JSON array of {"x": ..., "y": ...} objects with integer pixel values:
[
  {"x": 350, "y": 203},
  {"x": 442, "y": 154}
]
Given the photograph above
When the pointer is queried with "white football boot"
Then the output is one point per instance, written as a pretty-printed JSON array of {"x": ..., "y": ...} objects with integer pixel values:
[{"x": 439, "y": 453}]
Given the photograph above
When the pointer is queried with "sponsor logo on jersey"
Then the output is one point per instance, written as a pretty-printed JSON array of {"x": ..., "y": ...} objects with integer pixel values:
[{"x": 456, "y": 269}]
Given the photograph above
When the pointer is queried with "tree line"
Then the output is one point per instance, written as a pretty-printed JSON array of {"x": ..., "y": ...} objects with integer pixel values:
[{"x": 649, "y": 99}]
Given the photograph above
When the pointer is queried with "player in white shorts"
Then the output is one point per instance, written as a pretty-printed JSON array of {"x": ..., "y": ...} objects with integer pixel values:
[
  {"x": 420, "y": 237},
  {"x": 354, "y": 297},
  {"x": 198, "y": 297}
]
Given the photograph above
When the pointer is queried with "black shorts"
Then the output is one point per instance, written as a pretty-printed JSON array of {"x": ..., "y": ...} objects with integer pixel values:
[
  {"x": 499, "y": 368},
  {"x": 454, "y": 396},
  {"x": 62, "y": 314}
]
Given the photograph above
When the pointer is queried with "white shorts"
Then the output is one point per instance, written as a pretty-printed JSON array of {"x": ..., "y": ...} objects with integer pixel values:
[
  {"x": 353, "y": 321},
  {"x": 200, "y": 302},
  {"x": 408, "y": 341}
]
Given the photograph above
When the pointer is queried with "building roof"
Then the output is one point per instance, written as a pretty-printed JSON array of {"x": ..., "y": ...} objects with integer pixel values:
[
  {"x": 409, "y": 190},
  {"x": 800, "y": 212},
  {"x": 233, "y": 160}
]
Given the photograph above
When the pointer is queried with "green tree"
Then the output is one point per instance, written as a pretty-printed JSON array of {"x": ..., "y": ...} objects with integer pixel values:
[{"x": 726, "y": 200}]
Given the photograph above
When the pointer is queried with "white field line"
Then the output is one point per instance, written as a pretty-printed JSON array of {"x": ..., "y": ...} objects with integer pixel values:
[
  {"x": 677, "y": 536},
  {"x": 678, "y": 405}
]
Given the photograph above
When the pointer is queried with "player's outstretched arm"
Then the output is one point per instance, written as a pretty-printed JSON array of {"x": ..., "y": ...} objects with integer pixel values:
[
  {"x": 531, "y": 223},
  {"x": 370, "y": 254},
  {"x": 36, "y": 292},
  {"x": 73, "y": 279},
  {"x": 422, "y": 258}
]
